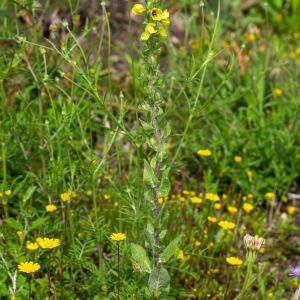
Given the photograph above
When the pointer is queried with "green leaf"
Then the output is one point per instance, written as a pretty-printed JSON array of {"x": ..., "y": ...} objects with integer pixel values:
[
  {"x": 140, "y": 256},
  {"x": 149, "y": 176},
  {"x": 165, "y": 184},
  {"x": 14, "y": 224},
  {"x": 29, "y": 192},
  {"x": 159, "y": 281},
  {"x": 37, "y": 223},
  {"x": 170, "y": 250}
]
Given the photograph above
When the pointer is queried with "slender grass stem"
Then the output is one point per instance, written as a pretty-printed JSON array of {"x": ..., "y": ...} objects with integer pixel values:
[
  {"x": 29, "y": 286},
  {"x": 118, "y": 271}
]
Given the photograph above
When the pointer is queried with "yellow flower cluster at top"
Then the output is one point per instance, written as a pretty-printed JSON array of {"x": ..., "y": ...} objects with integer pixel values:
[{"x": 160, "y": 19}]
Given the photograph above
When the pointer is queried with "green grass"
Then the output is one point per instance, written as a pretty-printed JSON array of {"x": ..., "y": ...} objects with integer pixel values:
[{"x": 66, "y": 123}]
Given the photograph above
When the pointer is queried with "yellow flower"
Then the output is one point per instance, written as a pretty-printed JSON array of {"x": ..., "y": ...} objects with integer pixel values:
[
  {"x": 28, "y": 267},
  {"x": 226, "y": 224},
  {"x": 180, "y": 254},
  {"x": 51, "y": 208},
  {"x": 197, "y": 243},
  {"x": 212, "y": 219},
  {"x": 150, "y": 28},
  {"x": 32, "y": 246},
  {"x": 196, "y": 200},
  {"x": 163, "y": 32},
  {"x": 247, "y": 207},
  {"x": 250, "y": 175},
  {"x": 218, "y": 206},
  {"x": 20, "y": 235},
  {"x": 7, "y": 193},
  {"x": 249, "y": 197},
  {"x": 212, "y": 197},
  {"x": 232, "y": 210},
  {"x": 224, "y": 196},
  {"x": 145, "y": 36},
  {"x": 270, "y": 295},
  {"x": 165, "y": 18},
  {"x": 156, "y": 14},
  {"x": 1, "y": 194},
  {"x": 234, "y": 261},
  {"x": 47, "y": 243},
  {"x": 65, "y": 196},
  {"x": 238, "y": 159},
  {"x": 204, "y": 152},
  {"x": 138, "y": 9},
  {"x": 291, "y": 210},
  {"x": 277, "y": 92},
  {"x": 160, "y": 200},
  {"x": 117, "y": 237},
  {"x": 270, "y": 196}
]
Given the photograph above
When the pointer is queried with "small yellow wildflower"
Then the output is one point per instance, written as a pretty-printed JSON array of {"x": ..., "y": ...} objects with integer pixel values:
[
  {"x": 28, "y": 267},
  {"x": 1, "y": 194},
  {"x": 226, "y": 224},
  {"x": 51, "y": 208},
  {"x": 47, "y": 243},
  {"x": 204, "y": 152},
  {"x": 232, "y": 210},
  {"x": 156, "y": 14},
  {"x": 31, "y": 246},
  {"x": 20, "y": 235},
  {"x": 277, "y": 92},
  {"x": 163, "y": 32},
  {"x": 249, "y": 174},
  {"x": 180, "y": 254},
  {"x": 7, "y": 193},
  {"x": 249, "y": 197},
  {"x": 234, "y": 261},
  {"x": 212, "y": 197},
  {"x": 212, "y": 219},
  {"x": 238, "y": 159},
  {"x": 65, "y": 196},
  {"x": 270, "y": 295},
  {"x": 138, "y": 9},
  {"x": 145, "y": 36},
  {"x": 165, "y": 18},
  {"x": 117, "y": 237},
  {"x": 270, "y": 196},
  {"x": 197, "y": 243},
  {"x": 224, "y": 196},
  {"x": 160, "y": 200},
  {"x": 196, "y": 200},
  {"x": 247, "y": 207},
  {"x": 150, "y": 27},
  {"x": 291, "y": 210},
  {"x": 218, "y": 206}
]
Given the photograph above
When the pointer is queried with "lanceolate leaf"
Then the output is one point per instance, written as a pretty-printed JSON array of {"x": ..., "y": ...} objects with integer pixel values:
[
  {"x": 139, "y": 255},
  {"x": 170, "y": 250}
]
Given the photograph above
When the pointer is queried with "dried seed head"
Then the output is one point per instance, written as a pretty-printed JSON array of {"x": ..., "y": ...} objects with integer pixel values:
[{"x": 253, "y": 242}]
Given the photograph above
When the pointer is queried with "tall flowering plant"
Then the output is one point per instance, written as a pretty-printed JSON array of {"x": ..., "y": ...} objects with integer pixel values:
[{"x": 156, "y": 161}]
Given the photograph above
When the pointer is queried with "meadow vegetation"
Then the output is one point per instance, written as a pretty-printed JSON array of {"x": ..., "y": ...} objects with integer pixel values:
[{"x": 149, "y": 150}]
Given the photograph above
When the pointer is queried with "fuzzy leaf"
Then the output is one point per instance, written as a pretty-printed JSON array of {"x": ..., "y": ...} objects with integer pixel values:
[
  {"x": 159, "y": 280},
  {"x": 170, "y": 250},
  {"x": 140, "y": 256},
  {"x": 165, "y": 184}
]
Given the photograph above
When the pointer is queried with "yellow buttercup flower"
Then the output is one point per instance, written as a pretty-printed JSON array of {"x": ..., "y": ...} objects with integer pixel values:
[
  {"x": 138, "y": 9},
  {"x": 156, "y": 14},
  {"x": 226, "y": 225},
  {"x": 291, "y": 210},
  {"x": 238, "y": 159},
  {"x": 212, "y": 197},
  {"x": 218, "y": 206},
  {"x": 232, "y": 210},
  {"x": 7, "y": 193},
  {"x": 51, "y": 208},
  {"x": 196, "y": 200},
  {"x": 204, "y": 152},
  {"x": 47, "y": 243},
  {"x": 32, "y": 246},
  {"x": 65, "y": 197},
  {"x": 117, "y": 237},
  {"x": 247, "y": 207},
  {"x": 277, "y": 92},
  {"x": 212, "y": 219},
  {"x": 28, "y": 267},
  {"x": 234, "y": 261},
  {"x": 270, "y": 196}
]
